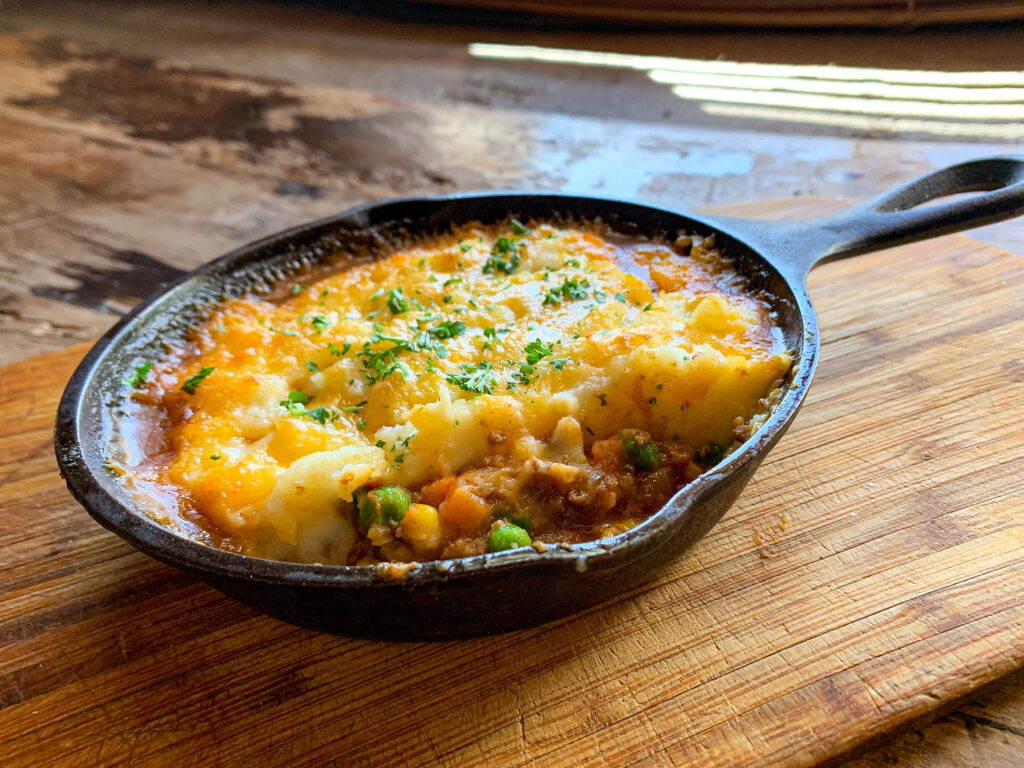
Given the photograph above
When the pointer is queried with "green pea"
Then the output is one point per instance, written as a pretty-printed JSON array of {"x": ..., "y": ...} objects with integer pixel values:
[
  {"x": 507, "y": 536},
  {"x": 381, "y": 505},
  {"x": 523, "y": 522},
  {"x": 644, "y": 457},
  {"x": 516, "y": 518},
  {"x": 393, "y": 502}
]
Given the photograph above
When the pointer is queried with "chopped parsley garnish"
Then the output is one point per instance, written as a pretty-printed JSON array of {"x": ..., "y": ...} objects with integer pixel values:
[
  {"x": 333, "y": 349},
  {"x": 380, "y": 443},
  {"x": 379, "y": 335},
  {"x": 424, "y": 341},
  {"x": 320, "y": 414},
  {"x": 451, "y": 281},
  {"x": 397, "y": 303},
  {"x": 381, "y": 363},
  {"x": 312, "y": 366},
  {"x": 602, "y": 397},
  {"x": 492, "y": 333},
  {"x": 320, "y": 323},
  {"x": 572, "y": 262},
  {"x": 478, "y": 378},
  {"x": 353, "y": 408},
  {"x": 296, "y": 403},
  {"x": 297, "y": 288},
  {"x": 504, "y": 257},
  {"x": 296, "y": 406},
  {"x": 518, "y": 227},
  {"x": 620, "y": 297},
  {"x": 559, "y": 364},
  {"x": 571, "y": 288},
  {"x": 653, "y": 401},
  {"x": 138, "y": 378},
  {"x": 522, "y": 375},
  {"x": 194, "y": 381},
  {"x": 647, "y": 307},
  {"x": 449, "y": 329},
  {"x": 536, "y": 350},
  {"x": 220, "y": 329},
  {"x": 214, "y": 457},
  {"x": 283, "y": 333},
  {"x": 464, "y": 246}
]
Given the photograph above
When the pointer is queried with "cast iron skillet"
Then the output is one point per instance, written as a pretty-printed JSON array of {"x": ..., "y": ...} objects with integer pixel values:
[{"x": 493, "y": 593}]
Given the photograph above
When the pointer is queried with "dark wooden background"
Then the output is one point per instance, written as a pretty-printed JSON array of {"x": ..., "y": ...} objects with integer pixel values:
[{"x": 139, "y": 141}]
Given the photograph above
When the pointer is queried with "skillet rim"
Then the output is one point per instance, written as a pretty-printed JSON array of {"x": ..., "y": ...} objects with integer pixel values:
[{"x": 132, "y": 524}]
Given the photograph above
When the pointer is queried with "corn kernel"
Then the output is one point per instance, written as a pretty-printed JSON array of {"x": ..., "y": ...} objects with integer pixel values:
[{"x": 421, "y": 527}]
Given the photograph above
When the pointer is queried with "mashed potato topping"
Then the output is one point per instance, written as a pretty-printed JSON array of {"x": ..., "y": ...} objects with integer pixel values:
[{"x": 490, "y": 388}]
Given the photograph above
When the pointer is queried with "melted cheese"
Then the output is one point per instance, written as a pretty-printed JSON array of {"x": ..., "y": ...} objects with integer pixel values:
[{"x": 493, "y": 336}]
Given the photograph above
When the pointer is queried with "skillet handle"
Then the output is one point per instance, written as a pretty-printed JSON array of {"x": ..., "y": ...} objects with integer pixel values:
[{"x": 892, "y": 218}]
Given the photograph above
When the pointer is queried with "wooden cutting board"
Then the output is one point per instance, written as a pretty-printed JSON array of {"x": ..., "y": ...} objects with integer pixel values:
[{"x": 870, "y": 576}]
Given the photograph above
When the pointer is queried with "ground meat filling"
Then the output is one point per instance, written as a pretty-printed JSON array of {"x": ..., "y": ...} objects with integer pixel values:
[{"x": 623, "y": 480}]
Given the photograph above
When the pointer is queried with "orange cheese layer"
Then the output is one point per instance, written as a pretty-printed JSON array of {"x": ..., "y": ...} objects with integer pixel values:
[{"x": 403, "y": 370}]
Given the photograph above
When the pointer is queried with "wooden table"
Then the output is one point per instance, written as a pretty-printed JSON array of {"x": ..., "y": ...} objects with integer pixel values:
[{"x": 137, "y": 143}]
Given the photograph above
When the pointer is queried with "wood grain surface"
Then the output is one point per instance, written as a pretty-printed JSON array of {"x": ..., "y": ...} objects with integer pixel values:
[{"x": 870, "y": 576}]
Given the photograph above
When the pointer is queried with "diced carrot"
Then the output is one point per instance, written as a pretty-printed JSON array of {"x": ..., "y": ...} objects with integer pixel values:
[
  {"x": 434, "y": 493},
  {"x": 464, "y": 509}
]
